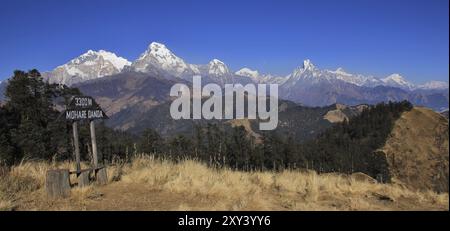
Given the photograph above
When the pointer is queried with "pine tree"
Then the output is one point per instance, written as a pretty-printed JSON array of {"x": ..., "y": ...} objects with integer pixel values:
[{"x": 150, "y": 142}]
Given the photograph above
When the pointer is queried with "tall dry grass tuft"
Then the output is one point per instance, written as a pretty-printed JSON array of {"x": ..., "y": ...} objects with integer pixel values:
[{"x": 26, "y": 178}]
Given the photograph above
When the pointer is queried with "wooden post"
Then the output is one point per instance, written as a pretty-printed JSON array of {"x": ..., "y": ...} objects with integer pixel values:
[
  {"x": 83, "y": 179},
  {"x": 94, "y": 144},
  {"x": 57, "y": 183},
  {"x": 77, "y": 145},
  {"x": 100, "y": 173}
]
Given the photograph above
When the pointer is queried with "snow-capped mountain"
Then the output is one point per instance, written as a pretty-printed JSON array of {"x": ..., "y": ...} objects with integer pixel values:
[
  {"x": 215, "y": 71},
  {"x": 257, "y": 77},
  {"x": 307, "y": 84},
  {"x": 434, "y": 85},
  {"x": 158, "y": 59},
  {"x": 357, "y": 79},
  {"x": 217, "y": 68},
  {"x": 313, "y": 86},
  {"x": 90, "y": 65},
  {"x": 309, "y": 74},
  {"x": 396, "y": 80},
  {"x": 158, "y": 56},
  {"x": 247, "y": 72}
]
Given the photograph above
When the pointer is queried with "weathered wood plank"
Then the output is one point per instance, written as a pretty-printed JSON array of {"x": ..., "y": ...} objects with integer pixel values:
[
  {"x": 82, "y": 170},
  {"x": 94, "y": 143},
  {"x": 101, "y": 176},
  {"x": 83, "y": 179},
  {"x": 77, "y": 145},
  {"x": 57, "y": 183}
]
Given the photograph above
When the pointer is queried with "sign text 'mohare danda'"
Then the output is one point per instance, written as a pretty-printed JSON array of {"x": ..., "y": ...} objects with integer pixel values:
[{"x": 84, "y": 108}]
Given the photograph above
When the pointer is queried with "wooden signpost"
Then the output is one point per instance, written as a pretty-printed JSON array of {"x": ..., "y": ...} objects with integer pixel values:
[
  {"x": 81, "y": 108},
  {"x": 84, "y": 108}
]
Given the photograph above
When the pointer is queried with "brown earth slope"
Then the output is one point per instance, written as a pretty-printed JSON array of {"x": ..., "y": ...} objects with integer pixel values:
[{"x": 417, "y": 150}]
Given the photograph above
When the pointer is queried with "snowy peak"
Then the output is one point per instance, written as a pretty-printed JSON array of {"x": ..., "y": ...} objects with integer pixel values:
[
  {"x": 90, "y": 65},
  {"x": 308, "y": 65},
  {"x": 247, "y": 72},
  {"x": 117, "y": 61},
  {"x": 341, "y": 71},
  {"x": 307, "y": 68},
  {"x": 396, "y": 80},
  {"x": 309, "y": 74},
  {"x": 434, "y": 85},
  {"x": 217, "y": 67},
  {"x": 160, "y": 51},
  {"x": 252, "y": 74},
  {"x": 395, "y": 77},
  {"x": 306, "y": 71},
  {"x": 216, "y": 62},
  {"x": 94, "y": 57},
  {"x": 356, "y": 79},
  {"x": 155, "y": 46},
  {"x": 158, "y": 56}
]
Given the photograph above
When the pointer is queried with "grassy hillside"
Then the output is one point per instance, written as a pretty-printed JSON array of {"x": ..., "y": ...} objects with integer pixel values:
[
  {"x": 147, "y": 183},
  {"x": 417, "y": 150}
]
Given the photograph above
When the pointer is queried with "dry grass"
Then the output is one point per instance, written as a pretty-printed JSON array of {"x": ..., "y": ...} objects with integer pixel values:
[
  {"x": 151, "y": 184},
  {"x": 417, "y": 150}
]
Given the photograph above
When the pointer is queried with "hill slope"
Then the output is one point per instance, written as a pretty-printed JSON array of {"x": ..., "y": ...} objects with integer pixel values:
[{"x": 417, "y": 150}]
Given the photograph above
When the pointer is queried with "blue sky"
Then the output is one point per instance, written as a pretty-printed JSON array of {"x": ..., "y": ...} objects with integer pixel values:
[{"x": 375, "y": 37}]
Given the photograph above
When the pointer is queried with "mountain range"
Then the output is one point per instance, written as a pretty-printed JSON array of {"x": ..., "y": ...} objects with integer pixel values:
[
  {"x": 307, "y": 85},
  {"x": 94, "y": 64}
]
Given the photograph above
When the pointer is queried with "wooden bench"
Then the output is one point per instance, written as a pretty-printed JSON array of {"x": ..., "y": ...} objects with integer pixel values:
[
  {"x": 100, "y": 176},
  {"x": 57, "y": 182}
]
